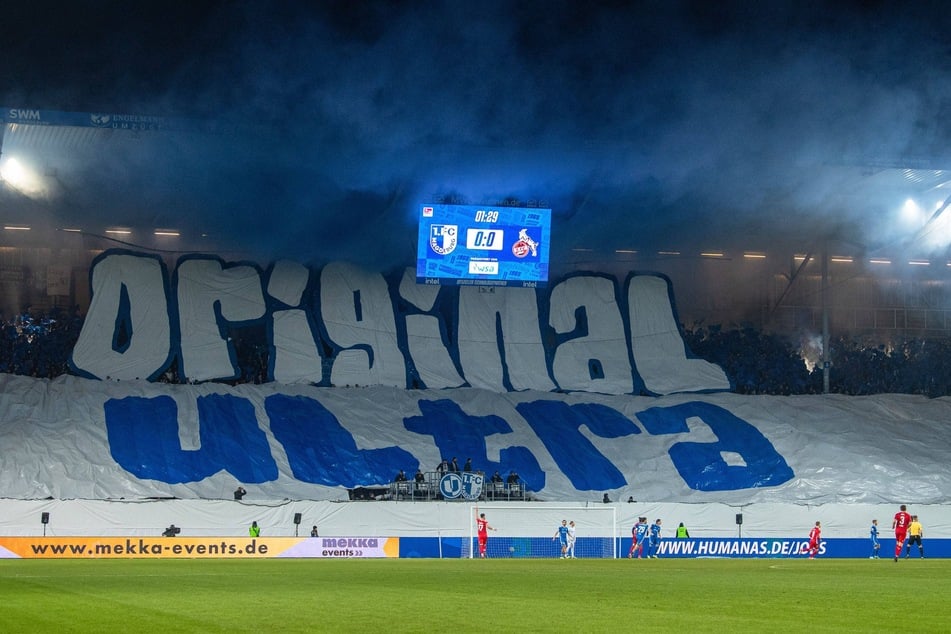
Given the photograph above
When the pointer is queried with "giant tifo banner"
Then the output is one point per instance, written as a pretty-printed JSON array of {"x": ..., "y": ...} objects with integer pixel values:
[
  {"x": 582, "y": 389},
  {"x": 343, "y": 326}
]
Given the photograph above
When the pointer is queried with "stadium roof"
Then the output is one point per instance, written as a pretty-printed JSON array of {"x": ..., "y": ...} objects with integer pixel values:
[
  {"x": 682, "y": 126},
  {"x": 98, "y": 172}
]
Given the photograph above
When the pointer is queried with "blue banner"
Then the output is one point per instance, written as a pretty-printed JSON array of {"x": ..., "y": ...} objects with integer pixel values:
[
  {"x": 713, "y": 547},
  {"x": 793, "y": 548}
]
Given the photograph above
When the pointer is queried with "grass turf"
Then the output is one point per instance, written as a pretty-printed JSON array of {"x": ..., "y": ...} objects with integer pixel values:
[{"x": 417, "y": 595}]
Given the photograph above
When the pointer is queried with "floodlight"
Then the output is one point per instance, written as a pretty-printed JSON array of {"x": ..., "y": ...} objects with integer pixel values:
[
  {"x": 911, "y": 211},
  {"x": 11, "y": 171},
  {"x": 20, "y": 177}
]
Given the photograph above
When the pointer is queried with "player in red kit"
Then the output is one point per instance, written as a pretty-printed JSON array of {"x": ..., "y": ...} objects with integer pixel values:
[
  {"x": 814, "y": 537},
  {"x": 634, "y": 531},
  {"x": 483, "y": 529},
  {"x": 900, "y": 524}
]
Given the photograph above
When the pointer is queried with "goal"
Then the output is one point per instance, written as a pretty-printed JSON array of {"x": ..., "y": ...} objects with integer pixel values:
[{"x": 527, "y": 530}]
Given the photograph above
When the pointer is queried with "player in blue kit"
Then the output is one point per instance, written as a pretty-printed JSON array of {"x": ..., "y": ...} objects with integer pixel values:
[
  {"x": 634, "y": 538},
  {"x": 654, "y": 539},
  {"x": 641, "y": 531},
  {"x": 562, "y": 535},
  {"x": 873, "y": 533}
]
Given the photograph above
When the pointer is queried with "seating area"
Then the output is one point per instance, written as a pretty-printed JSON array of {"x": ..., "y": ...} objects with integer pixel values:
[
  {"x": 428, "y": 490},
  {"x": 502, "y": 491}
]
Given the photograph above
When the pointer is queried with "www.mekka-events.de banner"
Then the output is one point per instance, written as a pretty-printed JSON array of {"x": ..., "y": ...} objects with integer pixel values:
[
  {"x": 539, "y": 382},
  {"x": 111, "y": 547}
]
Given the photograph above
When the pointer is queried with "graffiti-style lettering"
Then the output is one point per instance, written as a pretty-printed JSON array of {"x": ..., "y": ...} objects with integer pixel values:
[
  {"x": 143, "y": 439},
  {"x": 701, "y": 465}
]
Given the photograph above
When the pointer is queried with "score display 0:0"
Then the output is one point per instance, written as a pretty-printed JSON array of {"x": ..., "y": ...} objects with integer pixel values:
[{"x": 485, "y": 239}]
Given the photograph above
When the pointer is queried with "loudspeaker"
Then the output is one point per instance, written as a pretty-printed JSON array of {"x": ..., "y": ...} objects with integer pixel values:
[
  {"x": 45, "y": 518},
  {"x": 739, "y": 519},
  {"x": 297, "y": 518}
]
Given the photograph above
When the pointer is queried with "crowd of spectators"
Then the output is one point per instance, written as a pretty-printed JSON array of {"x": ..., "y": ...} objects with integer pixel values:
[
  {"x": 38, "y": 345},
  {"x": 756, "y": 362},
  {"x": 761, "y": 363}
]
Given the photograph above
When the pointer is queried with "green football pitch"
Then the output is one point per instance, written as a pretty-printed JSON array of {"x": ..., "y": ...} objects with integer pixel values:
[{"x": 426, "y": 595}]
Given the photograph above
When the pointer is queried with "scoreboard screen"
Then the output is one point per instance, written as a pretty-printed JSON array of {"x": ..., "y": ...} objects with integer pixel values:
[{"x": 478, "y": 245}]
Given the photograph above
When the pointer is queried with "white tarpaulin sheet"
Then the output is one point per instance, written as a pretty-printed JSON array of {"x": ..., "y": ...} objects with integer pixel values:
[{"x": 80, "y": 438}]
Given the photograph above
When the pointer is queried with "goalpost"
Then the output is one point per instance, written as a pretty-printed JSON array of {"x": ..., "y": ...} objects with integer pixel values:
[{"x": 526, "y": 530}]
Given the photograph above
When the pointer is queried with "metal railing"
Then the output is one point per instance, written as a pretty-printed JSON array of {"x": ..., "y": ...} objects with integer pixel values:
[{"x": 427, "y": 489}]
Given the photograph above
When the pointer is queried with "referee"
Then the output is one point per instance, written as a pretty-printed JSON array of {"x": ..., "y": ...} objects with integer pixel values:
[{"x": 915, "y": 533}]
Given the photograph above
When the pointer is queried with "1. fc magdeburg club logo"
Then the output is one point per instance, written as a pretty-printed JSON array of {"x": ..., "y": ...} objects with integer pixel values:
[
  {"x": 442, "y": 238},
  {"x": 466, "y": 485}
]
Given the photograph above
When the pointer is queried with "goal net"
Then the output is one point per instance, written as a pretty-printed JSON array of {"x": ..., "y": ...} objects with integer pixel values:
[{"x": 531, "y": 531}]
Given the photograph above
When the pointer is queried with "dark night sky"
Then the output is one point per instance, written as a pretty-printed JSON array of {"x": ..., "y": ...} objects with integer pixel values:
[{"x": 642, "y": 125}]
